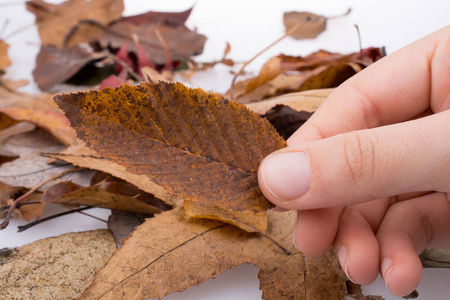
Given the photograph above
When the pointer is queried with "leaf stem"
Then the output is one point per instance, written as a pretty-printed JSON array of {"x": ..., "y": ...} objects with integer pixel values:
[
  {"x": 29, "y": 225},
  {"x": 288, "y": 252},
  {"x": 296, "y": 27},
  {"x": 22, "y": 198}
]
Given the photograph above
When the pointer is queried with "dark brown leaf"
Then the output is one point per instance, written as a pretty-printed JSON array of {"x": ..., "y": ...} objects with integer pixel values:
[
  {"x": 198, "y": 146},
  {"x": 99, "y": 195},
  {"x": 56, "y": 65},
  {"x": 286, "y": 120}
]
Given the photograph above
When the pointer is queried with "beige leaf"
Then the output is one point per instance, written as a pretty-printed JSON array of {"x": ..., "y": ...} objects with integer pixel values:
[
  {"x": 54, "y": 268},
  {"x": 182, "y": 252}
]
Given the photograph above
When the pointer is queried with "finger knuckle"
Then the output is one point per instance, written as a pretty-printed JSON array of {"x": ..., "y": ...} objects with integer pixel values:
[{"x": 359, "y": 154}]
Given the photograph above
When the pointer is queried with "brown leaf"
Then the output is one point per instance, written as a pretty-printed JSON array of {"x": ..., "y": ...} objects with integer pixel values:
[
  {"x": 148, "y": 265},
  {"x": 198, "y": 146},
  {"x": 309, "y": 101},
  {"x": 122, "y": 224},
  {"x": 54, "y": 268},
  {"x": 31, "y": 168},
  {"x": 285, "y": 119},
  {"x": 27, "y": 212},
  {"x": 4, "y": 59},
  {"x": 105, "y": 195},
  {"x": 286, "y": 74},
  {"x": 169, "y": 18},
  {"x": 39, "y": 110},
  {"x": 55, "y": 22},
  {"x": 56, "y": 65},
  {"x": 181, "y": 42},
  {"x": 312, "y": 27}
]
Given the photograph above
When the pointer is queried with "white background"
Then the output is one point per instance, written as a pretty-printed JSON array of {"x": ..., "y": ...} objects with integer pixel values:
[{"x": 248, "y": 26}]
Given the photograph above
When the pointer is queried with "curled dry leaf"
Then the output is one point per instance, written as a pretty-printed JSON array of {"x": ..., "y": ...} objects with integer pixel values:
[
  {"x": 55, "y": 22},
  {"x": 54, "y": 268},
  {"x": 112, "y": 195},
  {"x": 56, "y": 65},
  {"x": 148, "y": 265},
  {"x": 27, "y": 212},
  {"x": 197, "y": 146},
  {"x": 122, "y": 224},
  {"x": 435, "y": 258},
  {"x": 286, "y": 74},
  {"x": 40, "y": 110}
]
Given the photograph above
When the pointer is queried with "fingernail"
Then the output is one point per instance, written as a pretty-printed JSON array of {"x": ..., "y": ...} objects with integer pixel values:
[
  {"x": 286, "y": 175},
  {"x": 342, "y": 255},
  {"x": 387, "y": 265}
]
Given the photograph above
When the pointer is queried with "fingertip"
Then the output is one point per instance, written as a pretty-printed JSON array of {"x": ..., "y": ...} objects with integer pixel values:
[
  {"x": 401, "y": 275},
  {"x": 315, "y": 230}
]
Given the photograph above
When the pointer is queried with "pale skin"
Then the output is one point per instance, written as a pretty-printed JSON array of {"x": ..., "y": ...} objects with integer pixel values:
[{"x": 369, "y": 173}]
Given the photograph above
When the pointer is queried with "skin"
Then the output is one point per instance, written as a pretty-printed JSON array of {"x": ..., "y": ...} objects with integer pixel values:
[{"x": 369, "y": 173}]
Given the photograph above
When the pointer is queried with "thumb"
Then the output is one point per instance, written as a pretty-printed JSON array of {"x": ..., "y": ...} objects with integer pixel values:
[{"x": 360, "y": 166}]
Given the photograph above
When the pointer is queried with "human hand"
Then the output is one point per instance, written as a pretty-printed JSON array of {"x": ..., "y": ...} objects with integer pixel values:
[{"x": 369, "y": 173}]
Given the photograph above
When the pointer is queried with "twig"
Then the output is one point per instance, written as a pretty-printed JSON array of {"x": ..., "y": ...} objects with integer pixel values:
[
  {"x": 2, "y": 31},
  {"x": 5, "y": 222},
  {"x": 359, "y": 40},
  {"x": 349, "y": 10},
  {"x": 127, "y": 67},
  {"x": 92, "y": 216},
  {"x": 296, "y": 27},
  {"x": 168, "y": 64},
  {"x": 6, "y": 207},
  {"x": 19, "y": 30},
  {"x": 29, "y": 225}
]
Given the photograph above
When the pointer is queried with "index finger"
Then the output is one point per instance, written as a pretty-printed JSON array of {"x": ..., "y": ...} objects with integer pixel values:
[{"x": 395, "y": 89}]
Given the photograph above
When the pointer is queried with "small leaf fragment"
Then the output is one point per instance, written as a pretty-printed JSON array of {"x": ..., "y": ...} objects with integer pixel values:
[{"x": 313, "y": 26}]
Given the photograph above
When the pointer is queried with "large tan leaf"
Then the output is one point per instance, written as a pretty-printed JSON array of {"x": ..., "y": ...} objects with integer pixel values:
[
  {"x": 55, "y": 22},
  {"x": 182, "y": 252},
  {"x": 54, "y": 268},
  {"x": 196, "y": 145}
]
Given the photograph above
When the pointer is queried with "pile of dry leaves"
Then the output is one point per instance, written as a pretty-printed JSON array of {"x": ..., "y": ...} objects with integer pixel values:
[{"x": 176, "y": 166}]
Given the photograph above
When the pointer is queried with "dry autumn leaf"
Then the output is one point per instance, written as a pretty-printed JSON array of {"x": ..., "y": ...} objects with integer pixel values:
[
  {"x": 56, "y": 65},
  {"x": 4, "y": 59},
  {"x": 181, "y": 42},
  {"x": 312, "y": 27},
  {"x": 54, "y": 268},
  {"x": 285, "y": 119},
  {"x": 198, "y": 146},
  {"x": 286, "y": 74},
  {"x": 55, "y": 22},
  {"x": 147, "y": 265},
  {"x": 105, "y": 195},
  {"x": 36, "y": 109}
]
